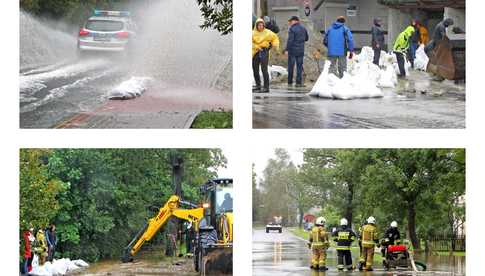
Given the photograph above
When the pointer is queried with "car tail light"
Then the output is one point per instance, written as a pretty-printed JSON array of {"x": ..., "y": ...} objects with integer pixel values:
[
  {"x": 123, "y": 34},
  {"x": 83, "y": 32}
]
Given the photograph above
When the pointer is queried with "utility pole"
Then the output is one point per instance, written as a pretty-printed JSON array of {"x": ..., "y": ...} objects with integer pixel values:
[{"x": 175, "y": 159}]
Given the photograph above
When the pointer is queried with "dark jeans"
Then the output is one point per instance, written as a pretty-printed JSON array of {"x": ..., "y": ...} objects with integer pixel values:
[
  {"x": 344, "y": 258},
  {"x": 299, "y": 69},
  {"x": 261, "y": 59},
  {"x": 412, "y": 52},
  {"x": 400, "y": 63},
  {"x": 377, "y": 56},
  {"x": 52, "y": 252},
  {"x": 26, "y": 265}
]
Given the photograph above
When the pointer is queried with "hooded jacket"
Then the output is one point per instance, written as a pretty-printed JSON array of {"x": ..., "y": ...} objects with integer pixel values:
[
  {"x": 377, "y": 36},
  {"x": 403, "y": 39},
  {"x": 338, "y": 39},
  {"x": 440, "y": 29},
  {"x": 297, "y": 36},
  {"x": 264, "y": 39}
]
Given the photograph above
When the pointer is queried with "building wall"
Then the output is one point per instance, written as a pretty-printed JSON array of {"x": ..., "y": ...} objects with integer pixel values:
[
  {"x": 458, "y": 16},
  {"x": 322, "y": 18}
]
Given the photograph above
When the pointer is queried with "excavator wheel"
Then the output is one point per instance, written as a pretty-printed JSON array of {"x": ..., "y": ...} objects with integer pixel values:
[{"x": 217, "y": 262}]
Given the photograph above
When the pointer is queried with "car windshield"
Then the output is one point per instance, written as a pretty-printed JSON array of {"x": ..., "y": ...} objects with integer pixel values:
[
  {"x": 104, "y": 25},
  {"x": 224, "y": 199}
]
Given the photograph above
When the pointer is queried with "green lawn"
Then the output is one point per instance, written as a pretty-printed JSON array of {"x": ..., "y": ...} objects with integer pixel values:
[{"x": 213, "y": 119}]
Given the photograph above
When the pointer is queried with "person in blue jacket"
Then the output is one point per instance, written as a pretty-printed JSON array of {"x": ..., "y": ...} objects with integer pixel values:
[
  {"x": 295, "y": 49},
  {"x": 339, "y": 42}
]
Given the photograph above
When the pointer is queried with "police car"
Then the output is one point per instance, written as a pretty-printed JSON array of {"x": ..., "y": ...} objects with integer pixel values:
[{"x": 108, "y": 31}]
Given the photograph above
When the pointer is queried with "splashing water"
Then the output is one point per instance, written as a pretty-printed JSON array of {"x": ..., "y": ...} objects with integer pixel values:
[
  {"x": 41, "y": 44},
  {"x": 172, "y": 48}
]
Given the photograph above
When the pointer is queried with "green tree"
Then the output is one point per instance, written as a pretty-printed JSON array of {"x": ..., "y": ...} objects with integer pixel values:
[{"x": 217, "y": 15}]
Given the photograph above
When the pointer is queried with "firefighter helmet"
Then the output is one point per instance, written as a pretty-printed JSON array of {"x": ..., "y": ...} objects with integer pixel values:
[
  {"x": 394, "y": 224},
  {"x": 371, "y": 220},
  {"x": 344, "y": 222},
  {"x": 320, "y": 221}
]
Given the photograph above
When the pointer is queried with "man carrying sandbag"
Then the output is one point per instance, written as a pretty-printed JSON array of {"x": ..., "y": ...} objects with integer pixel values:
[{"x": 338, "y": 40}]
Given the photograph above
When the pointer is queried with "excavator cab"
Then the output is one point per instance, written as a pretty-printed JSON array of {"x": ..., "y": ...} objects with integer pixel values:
[{"x": 213, "y": 242}]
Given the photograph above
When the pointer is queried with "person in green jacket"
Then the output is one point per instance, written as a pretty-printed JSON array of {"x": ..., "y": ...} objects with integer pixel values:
[{"x": 401, "y": 46}]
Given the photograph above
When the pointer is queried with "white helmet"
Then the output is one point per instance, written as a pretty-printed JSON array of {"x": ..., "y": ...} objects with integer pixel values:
[
  {"x": 320, "y": 221},
  {"x": 394, "y": 224},
  {"x": 344, "y": 221},
  {"x": 371, "y": 220}
]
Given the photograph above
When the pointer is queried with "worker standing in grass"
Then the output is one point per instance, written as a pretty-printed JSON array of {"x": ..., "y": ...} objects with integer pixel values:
[
  {"x": 41, "y": 246},
  {"x": 338, "y": 40},
  {"x": 319, "y": 244},
  {"x": 51, "y": 237},
  {"x": 377, "y": 40},
  {"x": 263, "y": 41},
  {"x": 295, "y": 50},
  {"x": 400, "y": 48},
  {"x": 29, "y": 238},
  {"x": 344, "y": 236},
  {"x": 369, "y": 239}
]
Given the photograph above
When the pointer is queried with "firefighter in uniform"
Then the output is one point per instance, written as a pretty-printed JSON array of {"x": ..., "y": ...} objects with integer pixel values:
[
  {"x": 344, "y": 236},
  {"x": 319, "y": 244},
  {"x": 391, "y": 237},
  {"x": 369, "y": 240}
]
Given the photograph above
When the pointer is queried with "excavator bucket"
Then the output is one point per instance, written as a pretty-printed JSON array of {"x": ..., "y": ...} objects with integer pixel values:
[
  {"x": 448, "y": 59},
  {"x": 217, "y": 262}
]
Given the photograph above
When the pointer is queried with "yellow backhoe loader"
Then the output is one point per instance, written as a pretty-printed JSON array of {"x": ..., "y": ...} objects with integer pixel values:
[{"x": 212, "y": 220}]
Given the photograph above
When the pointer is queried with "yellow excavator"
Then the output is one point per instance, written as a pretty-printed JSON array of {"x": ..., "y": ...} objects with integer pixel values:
[{"x": 212, "y": 221}]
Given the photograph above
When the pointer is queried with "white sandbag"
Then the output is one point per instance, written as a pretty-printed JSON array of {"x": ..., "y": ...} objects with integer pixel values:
[
  {"x": 387, "y": 78},
  {"x": 321, "y": 87},
  {"x": 130, "y": 89},
  {"x": 80, "y": 263},
  {"x": 421, "y": 61},
  {"x": 276, "y": 71}
]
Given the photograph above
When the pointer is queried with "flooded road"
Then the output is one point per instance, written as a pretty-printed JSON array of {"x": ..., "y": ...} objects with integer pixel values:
[
  {"x": 418, "y": 103},
  {"x": 189, "y": 69},
  {"x": 286, "y": 254}
]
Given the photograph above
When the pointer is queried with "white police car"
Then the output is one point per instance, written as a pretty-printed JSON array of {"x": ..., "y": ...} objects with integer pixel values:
[{"x": 109, "y": 31}]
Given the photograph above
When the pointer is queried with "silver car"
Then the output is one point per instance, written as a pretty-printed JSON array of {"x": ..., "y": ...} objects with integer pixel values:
[{"x": 107, "y": 31}]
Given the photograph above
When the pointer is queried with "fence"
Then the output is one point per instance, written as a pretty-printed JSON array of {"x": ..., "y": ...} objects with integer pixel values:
[{"x": 447, "y": 243}]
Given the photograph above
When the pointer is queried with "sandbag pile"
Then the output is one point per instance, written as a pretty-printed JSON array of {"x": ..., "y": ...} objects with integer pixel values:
[
  {"x": 363, "y": 78},
  {"x": 57, "y": 267}
]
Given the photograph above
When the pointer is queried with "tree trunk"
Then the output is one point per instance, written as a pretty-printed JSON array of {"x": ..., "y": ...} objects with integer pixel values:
[
  {"x": 349, "y": 205},
  {"x": 412, "y": 225},
  {"x": 176, "y": 161},
  {"x": 300, "y": 219}
]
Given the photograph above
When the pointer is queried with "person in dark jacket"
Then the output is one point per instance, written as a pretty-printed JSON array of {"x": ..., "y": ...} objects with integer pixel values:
[
  {"x": 338, "y": 40},
  {"x": 438, "y": 34},
  {"x": 270, "y": 24},
  {"x": 414, "y": 42},
  {"x": 295, "y": 49},
  {"x": 391, "y": 237},
  {"x": 51, "y": 237},
  {"x": 377, "y": 40},
  {"x": 344, "y": 236}
]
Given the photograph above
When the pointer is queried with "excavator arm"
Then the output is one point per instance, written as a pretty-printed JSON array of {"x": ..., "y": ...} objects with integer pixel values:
[{"x": 170, "y": 209}]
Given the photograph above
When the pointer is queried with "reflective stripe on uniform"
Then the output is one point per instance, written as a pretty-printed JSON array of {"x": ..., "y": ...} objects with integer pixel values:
[{"x": 342, "y": 247}]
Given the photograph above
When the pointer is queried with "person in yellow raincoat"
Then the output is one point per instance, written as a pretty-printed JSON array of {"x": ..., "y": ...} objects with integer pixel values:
[
  {"x": 401, "y": 46},
  {"x": 41, "y": 246},
  {"x": 319, "y": 244},
  {"x": 369, "y": 240},
  {"x": 263, "y": 41}
]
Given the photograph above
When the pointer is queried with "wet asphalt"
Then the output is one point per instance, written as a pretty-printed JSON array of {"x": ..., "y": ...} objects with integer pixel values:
[
  {"x": 286, "y": 255},
  {"x": 418, "y": 102}
]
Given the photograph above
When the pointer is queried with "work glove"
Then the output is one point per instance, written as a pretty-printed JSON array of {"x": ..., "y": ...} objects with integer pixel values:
[{"x": 351, "y": 55}]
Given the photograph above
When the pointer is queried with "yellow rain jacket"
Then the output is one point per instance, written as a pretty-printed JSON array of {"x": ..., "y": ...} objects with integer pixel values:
[
  {"x": 264, "y": 39},
  {"x": 402, "y": 40}
]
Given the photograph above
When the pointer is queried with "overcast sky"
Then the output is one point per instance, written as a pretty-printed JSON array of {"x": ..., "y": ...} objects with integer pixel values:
[
  {"x": 229, "y": 171},
  {"x": 262, "y": 156}
]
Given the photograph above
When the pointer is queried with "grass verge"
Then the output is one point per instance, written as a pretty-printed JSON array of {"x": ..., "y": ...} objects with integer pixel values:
[{"x": 213, "y": 119}]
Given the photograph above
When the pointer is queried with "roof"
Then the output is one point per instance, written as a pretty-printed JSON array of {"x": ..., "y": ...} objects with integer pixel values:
[{"x": 423, "y": 4}]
